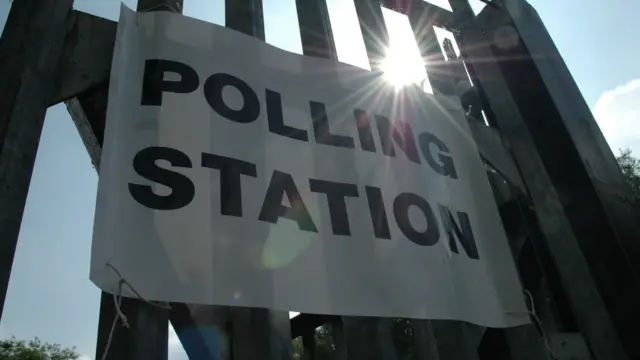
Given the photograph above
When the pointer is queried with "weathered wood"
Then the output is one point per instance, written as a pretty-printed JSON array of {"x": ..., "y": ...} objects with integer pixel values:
[
  {"x": 443, "y": 75},
  {"x": 30, "y": 51},
  {"x": 317, "y": 40},
  {"x": 368, "y": 338},
  {"x": 567, "y": 204},
  {"x": 315, "y": 29},
  {"x": 87, "y": 130},
  {"x": 144, "y": 338},
  {"x": 444, "y": 340},
  {"x": 83, "y": 80},
  {"x": 435, "y": 15},
  {"x": 147, "y": 336},
  {"x": 494, "y": 346},
  {"x": 584, "y": 170},
  {"x": 257, "y": 333},
  {"x": 422, "y": 24},
  {"x": 426, "y": 348},
  {"x": 570, "y": 346},
  {"x": 452, "y": 71},
  {"x": 494, "y": 152},
  {"x": 204, "y": 331},
  {"x": 525, "y": 343},
  {"x": 260, "y": 334},
  {"x": 87, "y": 55},
  {"x": 453, "y": 340},
  {"x": 245, "y": 16},
  {"x": 339, "y": 340},
  {"x": 374, "y": 31}
]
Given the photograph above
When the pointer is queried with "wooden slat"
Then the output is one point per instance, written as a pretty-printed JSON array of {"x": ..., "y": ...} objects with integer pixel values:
[
  {"x": 145, "y": 338},
  {"x": 245, "y": 16},
  {"x": 422, "y": 23},
  {"x": 30, "y": 51},
  {"x": 437, "y": 16},
  {"x": 260, "y": 334},
  {"x": 339, "y": 340},
  {"x": 87, "y": 55},
  {"x": 600, "y": 282},
  {"x": 204, "y": 331},
  {"x": 315, "y": 29},
  {"x": 368, "y": 338},
  {"x": 148, "y": 334},
  {"x": 358, "y": 334},
  {"x": 257, "y": 333},
  {"x": 374, "y": 31}
]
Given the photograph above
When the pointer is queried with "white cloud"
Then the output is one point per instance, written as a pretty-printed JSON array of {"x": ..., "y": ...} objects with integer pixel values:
[
  {"x": 618, "y": 115},
  {"x": 85, "y": 357}
]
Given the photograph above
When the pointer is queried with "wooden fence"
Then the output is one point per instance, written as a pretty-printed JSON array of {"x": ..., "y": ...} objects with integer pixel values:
[{"x": 572, "y": 221}]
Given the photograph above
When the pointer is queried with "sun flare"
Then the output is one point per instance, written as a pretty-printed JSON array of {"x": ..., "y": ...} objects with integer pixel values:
[
  {"x": 397, "y": 72},
  {"x": 403, "y": 64}
]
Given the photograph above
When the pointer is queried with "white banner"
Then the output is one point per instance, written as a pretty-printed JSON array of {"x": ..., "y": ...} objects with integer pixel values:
[{"x": 236, "y": 173}]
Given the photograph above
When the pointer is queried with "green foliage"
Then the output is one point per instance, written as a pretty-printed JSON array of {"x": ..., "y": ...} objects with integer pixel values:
[
  {"x": 631, "y": 169},
  {"x": 14, "y": 349},
  {"x": 324, "y": 344},
  {"x": 297, "y": 348},
  {"x": 401, "y": 334}
]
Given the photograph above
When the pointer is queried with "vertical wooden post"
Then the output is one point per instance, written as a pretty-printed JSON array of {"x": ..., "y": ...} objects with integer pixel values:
[
  {"x": 257, "y": 333},
  {"x": 30, "y": 50},
  {"x": 315, "y": 29},
  {"x": 148, "y": 334},
  {"x": 435, "y": 65},
  {"x": 245, "y": 16},
  {"x": 577, "y": 204},
  {"x": 524, "y": 341},
  {"x": 436, "y": 336},
  {"x": 365, "y": 337},
  {"x": 145, "y": 338},
  {"x": 374, "y": 31},
  {"x": 425, "y": 341},
  {"x": 337, "y": 330},
  {"x": 260, "y": 334},
  {"x": 453, "y": 341},
  {"x": 368, "y": 338}
]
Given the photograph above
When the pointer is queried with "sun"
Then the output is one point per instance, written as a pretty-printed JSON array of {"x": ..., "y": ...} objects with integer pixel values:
[
  {"x": 403, "y": 64},
  {"x": 397, "y": 72}
]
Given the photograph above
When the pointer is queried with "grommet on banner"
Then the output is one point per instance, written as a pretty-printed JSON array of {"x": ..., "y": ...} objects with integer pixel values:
[{"x": 117, "y": 301}]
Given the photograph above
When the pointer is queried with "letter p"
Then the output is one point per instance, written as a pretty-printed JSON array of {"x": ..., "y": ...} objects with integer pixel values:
[{"x": 154, "y": 83}]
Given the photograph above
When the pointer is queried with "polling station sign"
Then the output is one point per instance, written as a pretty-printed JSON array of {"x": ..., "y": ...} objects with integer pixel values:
[{"x": 236, "y": 173}]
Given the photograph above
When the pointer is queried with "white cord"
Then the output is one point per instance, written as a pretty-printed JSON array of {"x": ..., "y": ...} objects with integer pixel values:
[
  {"x": 539, "y": 322},
  {"x": 117, "y": 301}
]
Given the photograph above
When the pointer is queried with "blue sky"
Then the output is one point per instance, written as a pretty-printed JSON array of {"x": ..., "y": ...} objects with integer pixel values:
[{"x": 50, "y": 295}]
